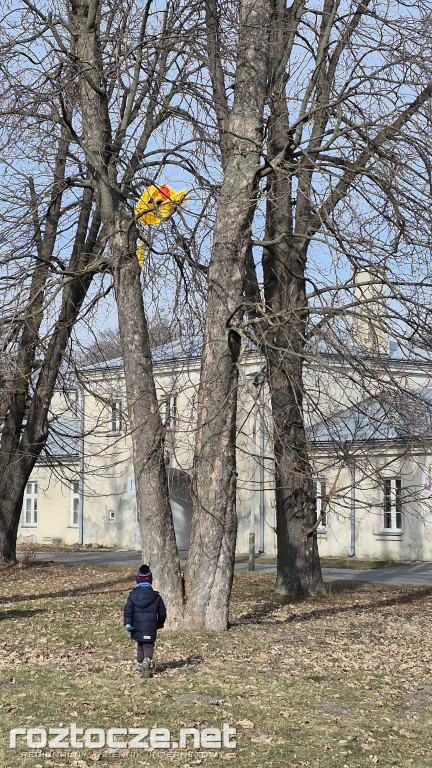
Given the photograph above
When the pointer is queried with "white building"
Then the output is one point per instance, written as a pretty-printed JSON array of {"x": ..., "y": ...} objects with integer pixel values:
[{"x": 372, "y": 459}]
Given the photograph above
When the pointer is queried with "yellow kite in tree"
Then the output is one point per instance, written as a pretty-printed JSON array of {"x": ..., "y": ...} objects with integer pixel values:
[{"x": 157, "y": 203}]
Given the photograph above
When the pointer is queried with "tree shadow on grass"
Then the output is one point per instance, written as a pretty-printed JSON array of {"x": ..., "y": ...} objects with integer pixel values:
[
  {"x": 99, "y": 588},
  {"x": 259, "y": 616},
  {"x": 190, "y": 661},
  {"x": 20, "y": 614}
]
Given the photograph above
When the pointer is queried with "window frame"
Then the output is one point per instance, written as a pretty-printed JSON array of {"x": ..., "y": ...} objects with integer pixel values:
[
  {"x": 75, "y": 496},
  {"x": 116, "y": 416},
  {"x": 392, "y": 506},
  {"x": 320, "y": 492},
  {"x": 31, "y": 495},
  {"x": 169, "y": 411}
]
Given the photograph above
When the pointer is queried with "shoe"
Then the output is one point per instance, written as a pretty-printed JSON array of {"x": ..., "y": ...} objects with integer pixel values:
[
  {"x": 145, "y": 668},
  {"x": 139, "y": 667}
]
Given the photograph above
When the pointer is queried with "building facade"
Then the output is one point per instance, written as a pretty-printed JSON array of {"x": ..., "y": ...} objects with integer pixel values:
[{"x": 372, "y": 462}]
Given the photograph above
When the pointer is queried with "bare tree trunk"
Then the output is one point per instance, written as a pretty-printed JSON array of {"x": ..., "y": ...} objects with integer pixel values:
[
  {"x": 214, "y": 525},
  {"x": 12, "y": 476},
  {"x": 159, "y": 547},
  {"x": 298, "y": 566},
  {"x": 12, "y": 488},
  {"x": 283, "y": 334},
  {"x": 283, "y": 343},
  {"x": 22, "y": 448}
]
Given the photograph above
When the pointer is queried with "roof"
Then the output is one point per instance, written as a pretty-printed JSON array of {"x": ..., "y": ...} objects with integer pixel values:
[
  {"x": 404, "y": 416},
  {"x": 173, "y": 352},
  {"x": 397, "y": 351},
  {"x": 189, "y": 349},
  {"x": 63, "y": 440}
]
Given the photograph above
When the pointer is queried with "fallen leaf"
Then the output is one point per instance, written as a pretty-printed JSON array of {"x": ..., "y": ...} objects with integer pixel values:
[{"x": 245, "y": 723}]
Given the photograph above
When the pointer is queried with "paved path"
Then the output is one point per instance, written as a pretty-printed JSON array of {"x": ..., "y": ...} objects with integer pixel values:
[{"x": 421, "y": 573}]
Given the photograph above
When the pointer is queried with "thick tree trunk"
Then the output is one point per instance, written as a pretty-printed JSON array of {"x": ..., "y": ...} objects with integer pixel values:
[
  {"x": 13, "y": 474},
  {"x": 298, "y": 565},
  {"x": 22, "y": 445},
  {"x": 214, "y": 528},
  {"x": 283, "y": 343},
  {"x": 214, "y": 525},
  {"x": 159, "y": 547},
  {"x": 11, "y": 498}
]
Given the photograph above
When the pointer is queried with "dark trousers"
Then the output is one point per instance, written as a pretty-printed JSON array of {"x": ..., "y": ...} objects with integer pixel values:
[{"x": 144, "y": 651}]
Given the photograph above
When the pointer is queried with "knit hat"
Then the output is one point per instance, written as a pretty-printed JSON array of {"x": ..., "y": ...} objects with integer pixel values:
[{"x": 144, "y": 574}]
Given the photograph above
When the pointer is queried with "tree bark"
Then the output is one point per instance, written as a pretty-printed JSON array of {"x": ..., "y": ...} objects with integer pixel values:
[
  {"x": 22, "y": 444},
  {"x": 12, "y": 476},
  {"x": 298, "y": 566},
  {"x": 159, "y": 547},
  {"x": 282, "y": 335},
  {"x": 280, "y": 327},
  {"x": 214, "y": 524}
]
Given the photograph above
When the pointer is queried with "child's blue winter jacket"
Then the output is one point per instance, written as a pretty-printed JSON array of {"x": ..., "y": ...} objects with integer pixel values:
[{"x": 145, "y": 612}]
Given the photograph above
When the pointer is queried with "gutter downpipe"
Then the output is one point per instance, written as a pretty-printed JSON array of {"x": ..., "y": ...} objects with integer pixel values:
[
  {"x": 352, "y": 466},
  {"x": 81, "y": 397},
  {"x": 251, "y": 566},
  {"x": 261, "y": 473}
]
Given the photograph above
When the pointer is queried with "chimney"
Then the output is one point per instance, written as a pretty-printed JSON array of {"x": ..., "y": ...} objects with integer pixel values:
[{"x": 370, "y": 330}]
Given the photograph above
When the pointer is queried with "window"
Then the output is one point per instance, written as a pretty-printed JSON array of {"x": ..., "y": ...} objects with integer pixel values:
[
  {"x": 75, "y": 503},
  {"x": 392, "y": 504},
  {"x": 131, "y": 486},
  {"x": 30, "y": 503},
  {"x": 320, "y": 503},
  {"x": 169, "y": 412},
  {"x": 72, "y": 398},
  {"x": 116, "y": 415}
]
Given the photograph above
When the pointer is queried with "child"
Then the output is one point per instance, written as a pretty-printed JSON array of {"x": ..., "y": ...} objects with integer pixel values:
[{"x": 144, "y": 614}]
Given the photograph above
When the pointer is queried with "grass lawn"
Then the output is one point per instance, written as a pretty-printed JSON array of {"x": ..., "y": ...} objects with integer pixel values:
[{"x": 343, "y": 681}]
